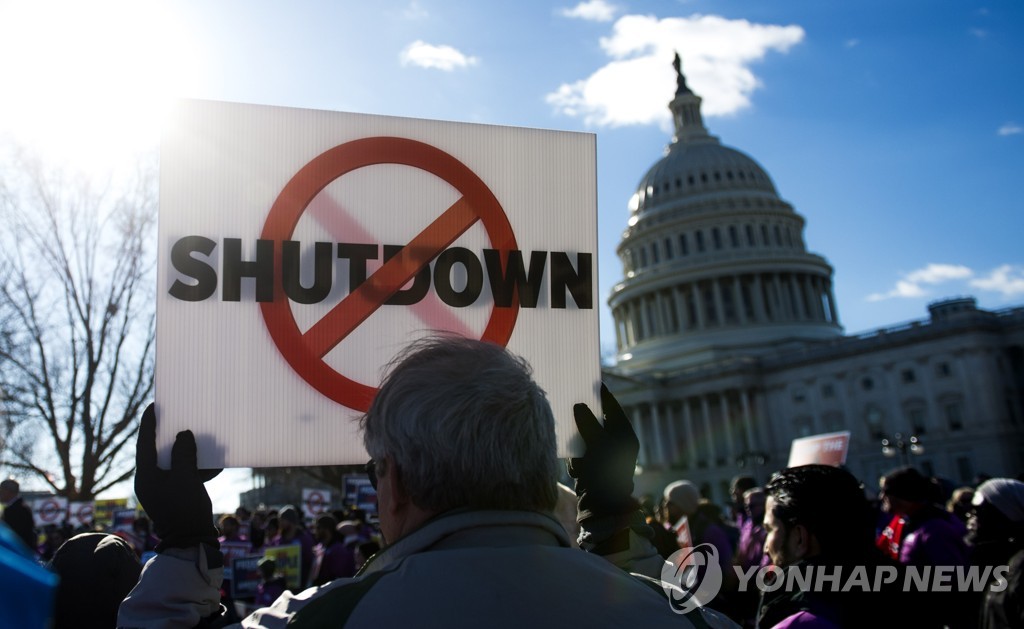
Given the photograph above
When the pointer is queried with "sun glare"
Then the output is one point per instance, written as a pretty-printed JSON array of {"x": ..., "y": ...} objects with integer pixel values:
[{"x": 86, "y": 83}]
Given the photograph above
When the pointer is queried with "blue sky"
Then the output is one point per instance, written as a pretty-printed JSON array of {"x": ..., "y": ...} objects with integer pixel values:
[{"x": 895, "y": 128}]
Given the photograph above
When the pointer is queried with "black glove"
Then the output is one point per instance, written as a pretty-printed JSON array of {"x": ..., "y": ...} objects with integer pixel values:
[
  {"x": 604, "y": 474},
  {"x": 175, "y": 499}
]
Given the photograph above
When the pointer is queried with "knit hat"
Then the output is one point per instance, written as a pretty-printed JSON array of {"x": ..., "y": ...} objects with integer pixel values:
[
  {"x": 684, "y": 495},
  {"x": 97, "y": 570},
  {"x": 1004, "y": 494},
  {"x": 290, "y": 514}
]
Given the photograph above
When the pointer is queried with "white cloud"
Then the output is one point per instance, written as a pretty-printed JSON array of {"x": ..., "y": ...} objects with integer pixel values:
[
  {"x": 980, "y": 33},
  {"x": 912, "y": 284},
  {"x": 634, "y": 86},
  {"x": 592, "y": 10},
  {"x": 1010, "y": 128},
  {"x": 852, "y": 42},
  {"x": 1006, "y": 279},
  {"x": 939, "y": 273},
  {"x": 424, "y": 55}
]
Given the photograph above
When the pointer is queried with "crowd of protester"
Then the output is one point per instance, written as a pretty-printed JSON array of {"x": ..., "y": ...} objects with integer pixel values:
[
  {"x": 467, "y": 536},
  {"x": 332, "y": 546}
]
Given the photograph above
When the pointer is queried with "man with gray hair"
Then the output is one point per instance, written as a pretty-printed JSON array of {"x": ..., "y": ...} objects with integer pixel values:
[{"x": 464, "y": 463}]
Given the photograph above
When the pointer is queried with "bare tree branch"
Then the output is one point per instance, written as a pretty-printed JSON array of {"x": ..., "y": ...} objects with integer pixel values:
[{"x": 76, "y": 323}]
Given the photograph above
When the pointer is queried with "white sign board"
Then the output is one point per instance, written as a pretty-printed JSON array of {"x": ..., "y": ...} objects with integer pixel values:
[
  {"x": 826, "y": 449},
  {"x": 316, "y": 501},
  {"x": 80, "y": 513},
  {"x": 50, "y": 510},
  {"x": 300, "y": 250}
]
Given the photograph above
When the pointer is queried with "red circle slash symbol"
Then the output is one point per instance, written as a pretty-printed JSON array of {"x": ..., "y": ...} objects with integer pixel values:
[
  {"x": 315, "y": 504},
  {"x": 49, "y": 510},
  {"x": 305, "y": 352}
]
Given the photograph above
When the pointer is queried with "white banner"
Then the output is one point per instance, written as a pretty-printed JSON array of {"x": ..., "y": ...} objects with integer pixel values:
[
  {"x": 80, "y": 513},
  {"x": 316, "y": 502},
  {"x": 301, "y": 250},
  {"x": 50, "y": 510}
]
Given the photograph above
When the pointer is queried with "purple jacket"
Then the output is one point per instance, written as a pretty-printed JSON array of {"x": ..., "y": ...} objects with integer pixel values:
[
  {"x": 805, "y": 620},
  {"x": 750, "y": 550},
  {"x": 332, "y": 562},
  {"x": 938, "y": 540}
]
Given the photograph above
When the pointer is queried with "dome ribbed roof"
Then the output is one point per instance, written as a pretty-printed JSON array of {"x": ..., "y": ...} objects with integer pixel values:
[{"x": 696, "y": 168}]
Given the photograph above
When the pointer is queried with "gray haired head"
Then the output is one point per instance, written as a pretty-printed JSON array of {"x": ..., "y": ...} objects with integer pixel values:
[{"x": 467, "y": 426}]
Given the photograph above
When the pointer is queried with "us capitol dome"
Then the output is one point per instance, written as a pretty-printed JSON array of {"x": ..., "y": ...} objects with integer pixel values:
[
  {"x": 715, "y": 261},
  {"x": 729, "y": 345}
]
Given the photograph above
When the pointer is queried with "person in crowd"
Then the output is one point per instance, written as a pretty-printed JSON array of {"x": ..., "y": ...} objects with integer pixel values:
[
  {"x": 738, "y": 486},
  {"x": 703, "y": 520},
  {"x": 293, "y": 533},
  {"x": 53, "y": 537},
  {"x": 364, "y": 551},
  {"x": 959, "y": 503},
  {"x": 96, "y": 570},
  {"x": 464, "y": 463},
  {"x": 817, "y": 516},
  {"x": 749, "y": 555},
  {"x": 271, "y": 585},
  {"x": 271, "y": 530},
  {"x": 750, "y": 550},
  {"x": 142, "y": 536},
  {"x": 257, "y": 529},
  {"x": 244, "y": 517},
  {"x": 366, "y": 531},
  {"x": 233, "y": 545},
  {"x": 929, "y": 535},
  {"x": 332, "y": 558},
  {"x": 17, "y": 514},
  {"x": 996, "y": 538}
]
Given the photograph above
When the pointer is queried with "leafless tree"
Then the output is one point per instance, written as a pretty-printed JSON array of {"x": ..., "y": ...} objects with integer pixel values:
[{"x": 76, "y": 323}]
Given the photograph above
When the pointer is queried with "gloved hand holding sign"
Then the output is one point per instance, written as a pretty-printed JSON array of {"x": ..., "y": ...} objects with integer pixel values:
[
  {"x": 604, "y": 475},
  {"x": 175, "y": 499}
]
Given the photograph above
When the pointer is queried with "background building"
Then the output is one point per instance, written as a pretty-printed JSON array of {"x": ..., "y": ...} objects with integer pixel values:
[{"x": 729, "y": 344}]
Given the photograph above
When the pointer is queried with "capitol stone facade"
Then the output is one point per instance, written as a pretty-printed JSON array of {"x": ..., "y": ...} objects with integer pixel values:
[{"x": 729, "y": 343}]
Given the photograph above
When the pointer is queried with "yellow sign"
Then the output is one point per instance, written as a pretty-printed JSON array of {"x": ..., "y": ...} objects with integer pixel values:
[
  {"x": 289, "y": 563},
  {"x": 103, "y": 510}
]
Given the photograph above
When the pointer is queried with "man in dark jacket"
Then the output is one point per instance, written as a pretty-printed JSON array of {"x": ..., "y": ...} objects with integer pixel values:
[{"x": 17, "y": 514}]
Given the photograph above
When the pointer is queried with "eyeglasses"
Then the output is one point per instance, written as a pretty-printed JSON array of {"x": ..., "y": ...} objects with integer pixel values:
[{"x": 371, "y": 471}]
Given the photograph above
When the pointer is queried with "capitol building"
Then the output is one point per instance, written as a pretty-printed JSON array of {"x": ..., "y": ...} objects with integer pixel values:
[{"x": 730, "y": 344}]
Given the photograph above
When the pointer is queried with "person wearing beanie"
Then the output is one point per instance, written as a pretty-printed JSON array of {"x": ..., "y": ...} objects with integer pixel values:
[
  {"x": 703, "y": 524},
  {"x": 996, "y": 536},
  {"x": 96, "y": 570},
  {"x": 292, "y": 533},
  {"x": 930, "y": 535}
]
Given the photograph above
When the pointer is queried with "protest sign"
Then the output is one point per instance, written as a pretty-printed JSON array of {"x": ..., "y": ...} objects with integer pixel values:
[
  {"x": 103, "y": 510},
  {"x": 300, "y": 251},
  {"x": 826, "y": 449},
  {"x": 288, "y": 559},
  {"x": 231, "y": 550},
  {"x": 246, "y": 576},
  {"x": 50, "y": 510},
  {"x": 316, "y": 501},
  {"x": 80, "y": 513}
]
